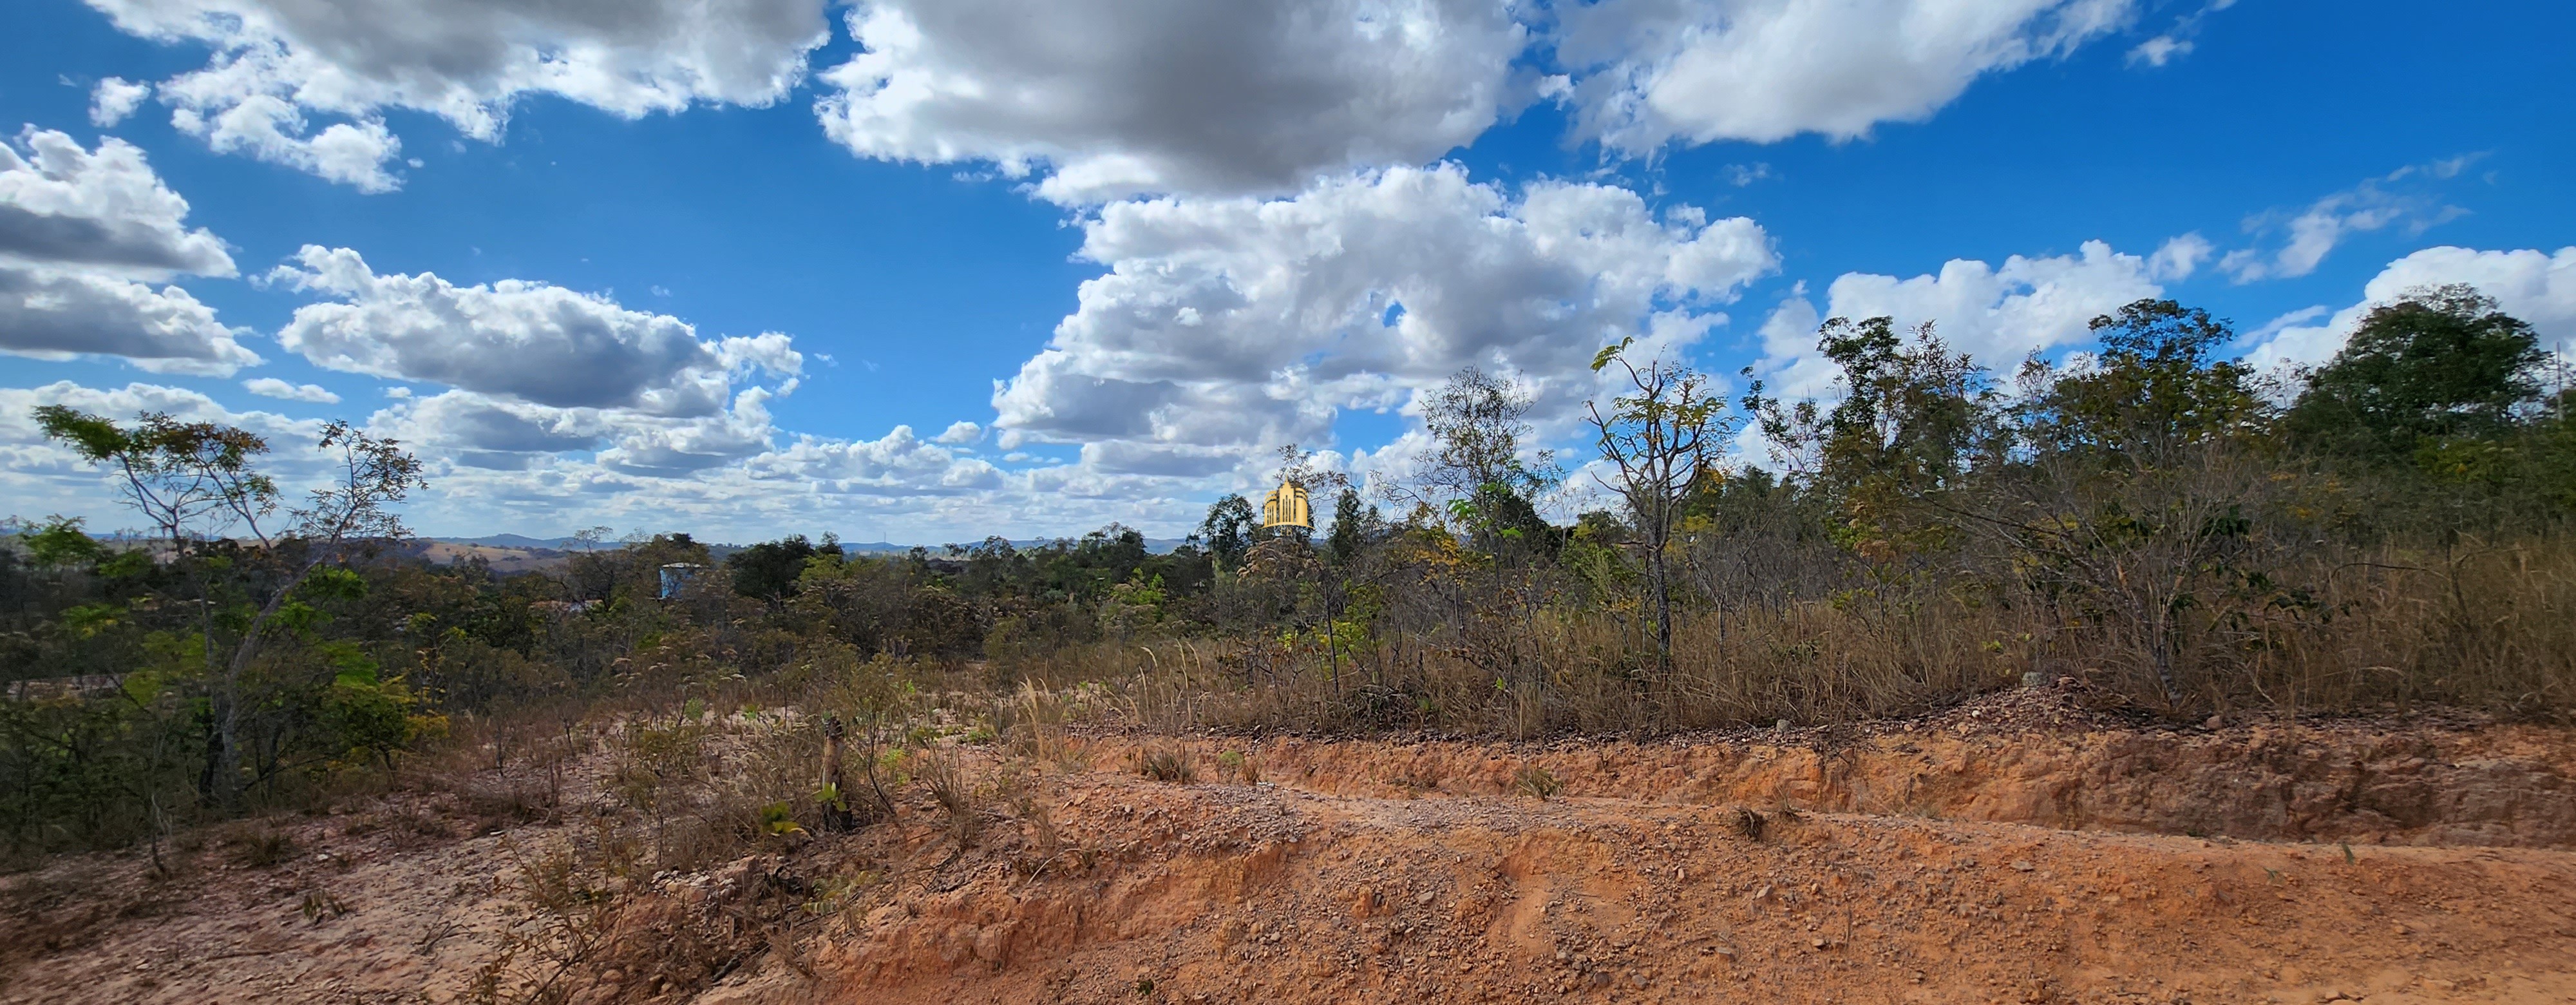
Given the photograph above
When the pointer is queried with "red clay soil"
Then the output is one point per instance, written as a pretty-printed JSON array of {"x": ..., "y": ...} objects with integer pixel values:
[{"x": 2025, "y": 862}]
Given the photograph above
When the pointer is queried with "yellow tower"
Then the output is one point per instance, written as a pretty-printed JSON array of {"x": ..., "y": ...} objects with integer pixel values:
[{"x": 1285, "y": 506}]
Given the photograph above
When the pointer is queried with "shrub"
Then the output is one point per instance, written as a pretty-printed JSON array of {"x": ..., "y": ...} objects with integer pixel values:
[
  {"x": 1165, "y": 764},
  {"x": 1240, "y": 766}
]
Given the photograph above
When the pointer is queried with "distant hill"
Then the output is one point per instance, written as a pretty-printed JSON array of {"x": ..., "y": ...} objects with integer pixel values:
[
  {"x": 521, "y": 541},
  {"x": 519, "y": 552},
  {"x": 502, "y": 558},
  {"x": 1153, "y": 545}
]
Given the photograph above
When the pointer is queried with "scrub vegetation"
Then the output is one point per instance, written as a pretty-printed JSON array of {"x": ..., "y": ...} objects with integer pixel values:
[{"x": 2148, "y": 518}]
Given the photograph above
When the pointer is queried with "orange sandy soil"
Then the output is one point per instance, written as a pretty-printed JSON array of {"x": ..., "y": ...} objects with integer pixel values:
[{"x": 1998, "y": 853}]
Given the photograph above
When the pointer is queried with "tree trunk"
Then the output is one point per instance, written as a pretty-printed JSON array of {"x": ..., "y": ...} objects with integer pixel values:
[
  {"x": 1332, "y": 656},
  {"x": 214, "y": 786},
  {"x": 1663, "y": 616},
  {"x": 836, "y": 813},
  {"x": 225, "y": 759}
]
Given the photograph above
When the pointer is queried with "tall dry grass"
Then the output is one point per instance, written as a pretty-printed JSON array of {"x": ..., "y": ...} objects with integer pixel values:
[
  {"x": 2490, "y": 628},
  {"x": 2480, "y": 626}
]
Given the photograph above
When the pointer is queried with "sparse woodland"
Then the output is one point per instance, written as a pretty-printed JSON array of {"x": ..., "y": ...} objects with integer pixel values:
[{"x": 2389, "y": 530}]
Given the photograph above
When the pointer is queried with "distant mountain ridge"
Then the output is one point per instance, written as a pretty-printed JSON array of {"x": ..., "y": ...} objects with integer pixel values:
[
  {"x": 517, "y": 541},
  {"x": 1155, "y": 545}
]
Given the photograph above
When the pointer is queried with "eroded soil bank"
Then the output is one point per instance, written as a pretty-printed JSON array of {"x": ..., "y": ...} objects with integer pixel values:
[
  {"x": 2027, "y": 757},
  {"x": 2010, "y": 851}
]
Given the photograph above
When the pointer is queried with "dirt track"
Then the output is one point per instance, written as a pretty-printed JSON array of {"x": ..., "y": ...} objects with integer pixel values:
[{"x": 1370, "y": 871}]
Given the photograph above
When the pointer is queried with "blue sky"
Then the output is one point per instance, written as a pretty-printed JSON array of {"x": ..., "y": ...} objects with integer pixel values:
[{"x": 925, "y": 271}]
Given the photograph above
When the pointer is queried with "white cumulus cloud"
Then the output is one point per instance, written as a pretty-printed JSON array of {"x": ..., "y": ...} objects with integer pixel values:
[
  {"x": 532, "y": 341},
  {"x": 82, "y": 232},
  {"x": 275, "y": 63},
  {"x": 1108, "y": 98},
  {"x": 1995, "y": 314},
  {"x": 39, "y": 476},
  {"x": 271, "y": 387},
  {"x": 115, "y": 98},
  {"x": 104, "y": 209},
  {"x": 1226, "y": 327},
  {"x": 57, "y": 315},
  {"x": 1644, "y": 73},
  {"x": 2175, "y": 42},
  {"x": 274, "y": 130},
  {"x": 2159, "y": 50},
  {"x": 2536, "y": 286}
]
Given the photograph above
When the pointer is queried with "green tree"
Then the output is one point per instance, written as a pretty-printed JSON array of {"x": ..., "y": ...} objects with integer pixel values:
[
  {"x": 2156, "y": 387},
  {"x": 1476, "y": 470},
  {"x": 768, "y": 570},
  {"x": 59, "y": 543},
  {"x": 1911, "y": 422},
  {"x": 1230, "y": 530},
  {"x": 2441, "y": 364},
  {"x": 1662, "y": 438},
  {"x": 194, "y": 481},
  {"x": 2136, "y": 494},
  {"x": 1356, "y": 525}
]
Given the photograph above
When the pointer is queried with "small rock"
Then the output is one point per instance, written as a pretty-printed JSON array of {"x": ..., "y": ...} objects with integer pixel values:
[
  {"x": 1423, "y": 898},
  {"x": 2023, "y": 865},
  {"x": 1817, "y": 942},
  {"x": 2214, "y": 722}
]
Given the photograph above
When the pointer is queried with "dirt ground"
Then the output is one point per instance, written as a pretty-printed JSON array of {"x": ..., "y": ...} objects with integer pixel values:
[{"x": 2017, "y": 850}]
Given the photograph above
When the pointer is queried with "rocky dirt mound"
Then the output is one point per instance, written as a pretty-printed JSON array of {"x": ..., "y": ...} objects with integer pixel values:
[
  {"x": 1218, "y": 893},
  {"x": 2015, "y": 851}
]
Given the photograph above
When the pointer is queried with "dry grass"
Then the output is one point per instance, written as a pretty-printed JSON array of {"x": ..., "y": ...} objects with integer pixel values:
[
  {"x": 1748, "y": 823},
  {"x": 259, "y": 845},
  {"x": 2484, "y": 628},
  {"x": 943, "y": 773},
  {"x": 1166, "y": 764},
  {"x": 1536, "y": 782},
  {"x": 701, "y": 794},
  {"x": 2490, "y": 627}
]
